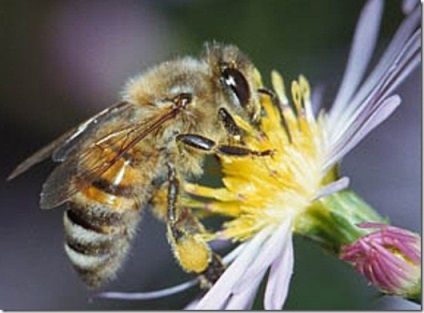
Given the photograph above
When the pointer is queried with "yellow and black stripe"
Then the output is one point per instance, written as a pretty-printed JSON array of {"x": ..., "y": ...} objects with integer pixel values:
[{"x": 100, "y": 222}]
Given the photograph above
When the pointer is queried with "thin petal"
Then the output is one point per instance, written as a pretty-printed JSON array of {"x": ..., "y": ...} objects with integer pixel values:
[
  {"x": 317, "y": 98},
  {"x": 409, "y": 5},
  {"x": 218, "y": 295},
  {"x": 192, "y": 305},
  {"x": 245, "y": 298},
  {"x": 402, "y": 45},
  {"x": 364, "y": 42},
  {"x": 381, "y": 113},
  {"x": 408, "y": 59},
  {"x": 218, "y": 244},
  {"x": 233, "y": 254},
  {"x": 270, "y": 252},
  {"x": 279, "y": 279},
  {"x": 399, "y": 41},
  {"x": 149, "y": 294},
  {"x": 334, "y": 187}
]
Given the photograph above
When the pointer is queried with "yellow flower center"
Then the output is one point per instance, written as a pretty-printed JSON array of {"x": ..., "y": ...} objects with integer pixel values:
[{"x": 263, "y": 191}]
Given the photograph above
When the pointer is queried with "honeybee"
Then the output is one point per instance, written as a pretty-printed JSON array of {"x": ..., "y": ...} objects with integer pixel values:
[{"x": 170, "y": 117}]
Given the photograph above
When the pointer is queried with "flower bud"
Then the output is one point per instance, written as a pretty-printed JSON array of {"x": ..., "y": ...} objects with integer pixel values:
[{"x": 389, "y": 257}]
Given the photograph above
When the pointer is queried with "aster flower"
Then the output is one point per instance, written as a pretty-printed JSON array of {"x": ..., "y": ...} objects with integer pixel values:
[
  {"x": 294, "y": 191},
  {"x": 298, "y": 190},
  {"x": 389, "y": 257}
]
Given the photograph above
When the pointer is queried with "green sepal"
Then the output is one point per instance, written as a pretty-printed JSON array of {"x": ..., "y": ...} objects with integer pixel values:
[{"x": 332, "y": 220}]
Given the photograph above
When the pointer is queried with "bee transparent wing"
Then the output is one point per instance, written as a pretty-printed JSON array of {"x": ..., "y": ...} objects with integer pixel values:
[
  {"x": 82, "y": 168},
  {"x": 55, "y": 191},
  {"x": 120, "y": 112},
  {"x": 69, "y": 142}
]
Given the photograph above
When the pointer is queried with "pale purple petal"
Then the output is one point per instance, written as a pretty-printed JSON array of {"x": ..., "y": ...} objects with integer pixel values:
[
  {"x": 375, "y": 118},
  {"x": 192, "y": 305},
  {"x": 219, "y": 244},
  {"x": 400, "y": 39},
  {"x": 149, "y": 294},
  {"x": 381, "y": 113},
  {"x": 409, "y": 5},
  {"x": 364, "y": 42},
  {"x": 233, "y": 254},
  {"x": 399, "y": 59},
  {"x": 279, "y": 279},
  {"x": 333, "y": 187},
  {"x": 243, "y": 300},
  {"x": 408, "y": 59},
  {"x": 317, "y": 97},
  {"x": 270, "y": 251},
  {"x": 218, "y": 295}
]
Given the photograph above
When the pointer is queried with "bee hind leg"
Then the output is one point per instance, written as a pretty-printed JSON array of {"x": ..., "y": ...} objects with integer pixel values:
[{"x": 185, "y": 237}]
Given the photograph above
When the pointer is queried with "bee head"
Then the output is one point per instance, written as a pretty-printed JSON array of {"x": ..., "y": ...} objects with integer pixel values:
[{"x": 236, "y": 78}]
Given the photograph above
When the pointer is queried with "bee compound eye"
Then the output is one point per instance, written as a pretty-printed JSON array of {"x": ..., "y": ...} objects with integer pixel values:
[{"x": 237, "y": 83}]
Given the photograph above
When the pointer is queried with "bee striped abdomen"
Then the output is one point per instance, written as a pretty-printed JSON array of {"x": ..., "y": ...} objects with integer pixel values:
[{"x": 100, "y": 223}]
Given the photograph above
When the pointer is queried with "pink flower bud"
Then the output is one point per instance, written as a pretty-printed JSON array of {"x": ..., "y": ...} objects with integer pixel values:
[{"x": 389, "y": 257}]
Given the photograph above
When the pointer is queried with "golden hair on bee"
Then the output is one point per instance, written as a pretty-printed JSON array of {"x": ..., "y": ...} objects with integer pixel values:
[{"x": 138, "y": 151}]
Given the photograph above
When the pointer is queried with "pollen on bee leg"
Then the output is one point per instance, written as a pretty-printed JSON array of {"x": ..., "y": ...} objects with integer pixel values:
[
  {"x": 192, "y": 253},
  {"x": 186, "y": 236}
]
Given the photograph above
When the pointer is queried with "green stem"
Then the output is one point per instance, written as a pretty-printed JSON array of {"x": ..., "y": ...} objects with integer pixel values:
[{"x": 332, "y": 220}]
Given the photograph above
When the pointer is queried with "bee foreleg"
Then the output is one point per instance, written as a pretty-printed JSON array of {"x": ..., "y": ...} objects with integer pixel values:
[
  {"x": 206, "y": 144},
  {"x": 241, "y": 151},
  {"x": 234, "y": 132},
  {"x": 197, "y": 141}
]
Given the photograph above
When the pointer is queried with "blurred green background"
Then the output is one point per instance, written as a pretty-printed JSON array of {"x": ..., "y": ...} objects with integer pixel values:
[{"x": 62, "y": 61}]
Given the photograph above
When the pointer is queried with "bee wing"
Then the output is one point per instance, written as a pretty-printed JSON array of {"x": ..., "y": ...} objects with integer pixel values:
[
  {"x": 78, "y": 171},
  {"x": 69, "y": 142}
]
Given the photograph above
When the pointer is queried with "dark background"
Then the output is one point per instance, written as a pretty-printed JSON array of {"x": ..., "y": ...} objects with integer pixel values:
[{"x": 63, "y": 61}]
